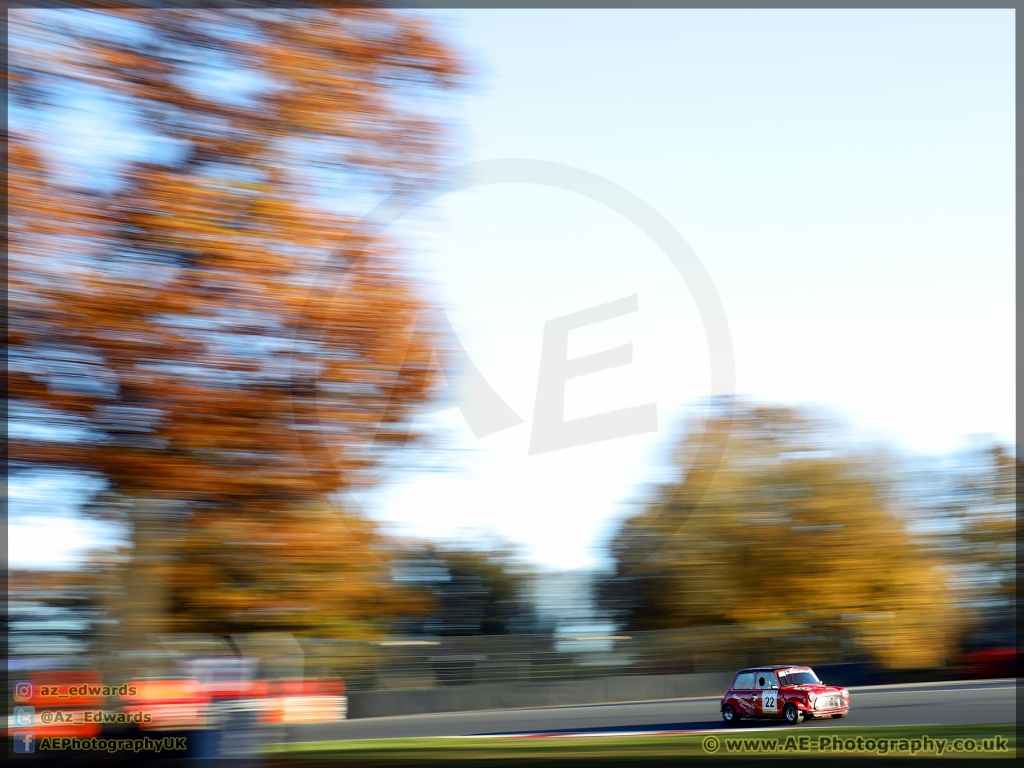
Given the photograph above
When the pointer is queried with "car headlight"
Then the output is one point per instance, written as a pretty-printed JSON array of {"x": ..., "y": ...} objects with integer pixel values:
[{"x": 811, "y": 696}]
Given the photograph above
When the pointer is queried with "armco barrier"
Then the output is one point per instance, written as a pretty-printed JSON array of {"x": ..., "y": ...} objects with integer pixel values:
[{"x": 599, "y": 690}]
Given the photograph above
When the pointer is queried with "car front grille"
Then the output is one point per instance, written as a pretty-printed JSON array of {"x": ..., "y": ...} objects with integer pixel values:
[{"x": 829, "y": 702}]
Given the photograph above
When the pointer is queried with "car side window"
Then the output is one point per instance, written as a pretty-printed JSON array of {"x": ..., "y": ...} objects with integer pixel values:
[
  {"x": 743, "y": 682},
  {"x": 766, "y": 680}
]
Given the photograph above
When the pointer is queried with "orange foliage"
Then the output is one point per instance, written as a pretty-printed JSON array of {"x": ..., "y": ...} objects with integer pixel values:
[{"x": 210, "y": 333}]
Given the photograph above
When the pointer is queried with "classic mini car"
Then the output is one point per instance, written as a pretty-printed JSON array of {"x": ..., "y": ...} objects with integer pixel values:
[{"x": 785, "y": 691}]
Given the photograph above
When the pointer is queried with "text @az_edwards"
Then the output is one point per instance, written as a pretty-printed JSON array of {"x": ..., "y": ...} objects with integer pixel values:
[{"x": 78, "y": 717}]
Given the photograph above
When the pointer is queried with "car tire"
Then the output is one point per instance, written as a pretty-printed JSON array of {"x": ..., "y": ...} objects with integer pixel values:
[
  {"x": 730, "y": 715},
  {"x": 841, "y": 714},
  {"x": 792, "y": 715}
]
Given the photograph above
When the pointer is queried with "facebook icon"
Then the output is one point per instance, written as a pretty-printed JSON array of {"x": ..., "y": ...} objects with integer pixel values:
[{"x": 24, "y": 742}]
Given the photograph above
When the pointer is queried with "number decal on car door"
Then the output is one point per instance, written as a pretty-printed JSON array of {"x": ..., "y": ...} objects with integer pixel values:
[{"x": 770, "y": 701}]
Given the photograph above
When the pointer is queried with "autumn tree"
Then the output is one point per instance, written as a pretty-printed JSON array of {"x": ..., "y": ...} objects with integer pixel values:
[
  {"x": 972, "y": 514},
  {"x": 787, "y": 535},
  {"x": 212, "y": 332}
]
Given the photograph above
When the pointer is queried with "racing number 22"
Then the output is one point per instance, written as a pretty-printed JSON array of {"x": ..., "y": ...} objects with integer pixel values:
[{"x": 769, "y": 701}]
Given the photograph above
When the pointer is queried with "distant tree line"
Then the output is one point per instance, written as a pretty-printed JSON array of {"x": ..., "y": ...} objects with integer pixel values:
[{"x": 792, "y": 531}]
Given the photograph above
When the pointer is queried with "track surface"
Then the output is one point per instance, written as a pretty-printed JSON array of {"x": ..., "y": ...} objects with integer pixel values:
[{"x": 952, "y": 703}]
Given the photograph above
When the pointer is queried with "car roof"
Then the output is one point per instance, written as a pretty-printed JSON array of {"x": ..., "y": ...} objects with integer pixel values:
[{"x": 774, "y": 666}]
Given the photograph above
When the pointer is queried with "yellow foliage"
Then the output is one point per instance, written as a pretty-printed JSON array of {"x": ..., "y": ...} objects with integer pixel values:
[{"x": 771, "y": 529}]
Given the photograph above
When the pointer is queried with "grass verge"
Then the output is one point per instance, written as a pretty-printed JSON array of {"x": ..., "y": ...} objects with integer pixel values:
[{"x": 887, "y": 742}]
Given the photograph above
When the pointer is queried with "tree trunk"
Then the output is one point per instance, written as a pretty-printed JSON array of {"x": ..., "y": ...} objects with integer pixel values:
[{"x": 141, "y": 606}]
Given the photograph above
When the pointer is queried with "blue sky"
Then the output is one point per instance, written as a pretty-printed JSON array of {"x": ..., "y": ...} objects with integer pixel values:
[{"x": 845, "y": 177}]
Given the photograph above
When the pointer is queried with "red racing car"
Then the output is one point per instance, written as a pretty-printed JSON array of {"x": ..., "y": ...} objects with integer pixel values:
[{"x": 785, "y": 691}]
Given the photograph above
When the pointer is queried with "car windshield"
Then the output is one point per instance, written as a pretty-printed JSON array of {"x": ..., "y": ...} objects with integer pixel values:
[{"x": 800, "y": 677}]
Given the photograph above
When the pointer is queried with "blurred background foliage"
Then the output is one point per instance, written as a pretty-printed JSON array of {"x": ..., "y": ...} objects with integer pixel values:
[
  {"x": 790, "y": 533},
  {"x": 471, "y": 592},
  {"x": 201, "y": 328},
  {"x": 202, "y": 331}
]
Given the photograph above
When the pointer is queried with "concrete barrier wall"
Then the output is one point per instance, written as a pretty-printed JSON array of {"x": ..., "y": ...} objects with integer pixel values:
[
  {"x": 600, "y": 690},
  {"x": 466, "y": 698}
]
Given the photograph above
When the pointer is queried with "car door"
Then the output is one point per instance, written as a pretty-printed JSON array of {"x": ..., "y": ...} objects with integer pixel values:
[
  {"x": 743, "y": 694},
  {"x": 767, "y": 699}
]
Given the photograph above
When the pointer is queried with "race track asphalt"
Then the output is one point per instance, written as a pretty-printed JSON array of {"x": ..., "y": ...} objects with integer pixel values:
[{"x": 949, "y": 703}]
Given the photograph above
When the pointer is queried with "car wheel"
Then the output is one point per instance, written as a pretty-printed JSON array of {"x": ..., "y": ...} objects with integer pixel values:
[
  {"x": 841, "y": 714},
  {"x": 730, "y": 715},
  {"x": 793, "y": 715}
]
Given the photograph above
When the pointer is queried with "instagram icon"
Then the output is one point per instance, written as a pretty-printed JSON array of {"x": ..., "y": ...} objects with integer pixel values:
[{"x": 23, "y": 690}]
